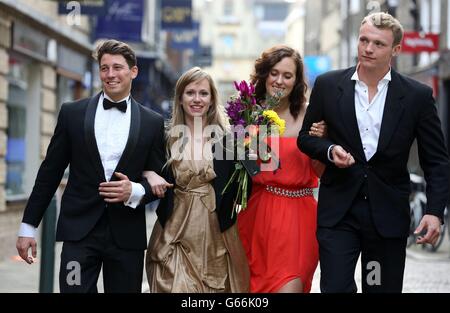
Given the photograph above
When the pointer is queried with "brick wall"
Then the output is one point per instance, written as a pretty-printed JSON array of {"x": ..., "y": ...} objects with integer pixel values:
[{"x": 48, "y": 106}]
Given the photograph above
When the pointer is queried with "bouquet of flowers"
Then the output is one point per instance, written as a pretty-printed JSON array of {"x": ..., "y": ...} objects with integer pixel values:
[{"x": 254, "y": 122}]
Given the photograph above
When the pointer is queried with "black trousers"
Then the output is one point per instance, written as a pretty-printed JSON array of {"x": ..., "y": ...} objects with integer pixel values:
[
  {"x": 82, "y": 261},
  {"x": 382, "y": 259}
]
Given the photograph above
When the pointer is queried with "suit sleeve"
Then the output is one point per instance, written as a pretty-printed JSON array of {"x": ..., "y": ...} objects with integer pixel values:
[
  {"x": 315, "y": 147},
  {"x": 433, "y": 157},
  {"x": 155, "y": 161},
  {"x": 156, "y": 157},
  {"x": 50, "y": 172}
]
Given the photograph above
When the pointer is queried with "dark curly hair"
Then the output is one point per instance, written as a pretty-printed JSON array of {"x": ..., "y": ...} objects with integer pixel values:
[{"x": 266, "y": 62}]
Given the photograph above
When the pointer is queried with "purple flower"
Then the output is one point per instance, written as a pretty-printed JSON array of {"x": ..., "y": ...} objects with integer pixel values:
[
  {"x": 233, "y": 110},
  {"x": 236, "y": 86},
  {"x": 252, "y": 89}
]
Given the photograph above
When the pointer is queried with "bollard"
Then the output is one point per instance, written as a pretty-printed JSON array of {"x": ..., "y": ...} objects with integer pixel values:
[{"x": 48, "y": 249}]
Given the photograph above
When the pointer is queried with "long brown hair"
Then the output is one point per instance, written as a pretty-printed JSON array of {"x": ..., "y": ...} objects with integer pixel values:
[{"x": 266, "y": 62}]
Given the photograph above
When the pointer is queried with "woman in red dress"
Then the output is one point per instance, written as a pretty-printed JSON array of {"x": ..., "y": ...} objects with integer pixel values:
[{"x": 278, "y": 227}]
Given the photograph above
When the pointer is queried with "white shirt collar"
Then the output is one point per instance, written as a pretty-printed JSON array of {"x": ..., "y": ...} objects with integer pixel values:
[
  {"x": 386, "y": 78},
  {"x": 127, "y": 98}
]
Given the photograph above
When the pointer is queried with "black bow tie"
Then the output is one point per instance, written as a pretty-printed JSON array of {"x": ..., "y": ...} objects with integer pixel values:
[{"x": 122, "y": 105}]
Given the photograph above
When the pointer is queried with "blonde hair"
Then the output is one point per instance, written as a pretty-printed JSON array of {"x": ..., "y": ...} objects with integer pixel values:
[
  {"x": 383, "y": 20},
  {"x": 214, "y": 116}
]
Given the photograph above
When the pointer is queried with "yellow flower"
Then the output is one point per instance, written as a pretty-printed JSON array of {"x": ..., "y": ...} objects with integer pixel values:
[
  {"x": 273, "y": 117},
  {"x": 281, "y": 126},
  {"x": 270, "y": 114}
]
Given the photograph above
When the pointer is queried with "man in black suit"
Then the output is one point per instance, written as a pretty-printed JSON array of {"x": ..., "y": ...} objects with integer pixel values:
[
  {"x": 108, "y": 141},
  {"x": 373, "y": 115}
]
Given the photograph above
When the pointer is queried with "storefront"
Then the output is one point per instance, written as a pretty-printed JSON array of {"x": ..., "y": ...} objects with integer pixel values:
[
  {"x": 28, "y": 51},
  {"x": 73, "y": 75},
  {"x": 154, "y": 86}
]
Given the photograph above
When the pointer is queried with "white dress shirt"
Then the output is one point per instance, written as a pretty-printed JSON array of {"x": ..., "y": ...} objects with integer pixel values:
[
  {"x": 370, "y": 114},
  {"x": 112, "y": 128}
]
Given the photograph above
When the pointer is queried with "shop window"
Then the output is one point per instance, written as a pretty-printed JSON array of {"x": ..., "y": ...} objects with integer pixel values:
[
  {"x": 23, "y": 132},
  {"x": 16, "y": 148}
]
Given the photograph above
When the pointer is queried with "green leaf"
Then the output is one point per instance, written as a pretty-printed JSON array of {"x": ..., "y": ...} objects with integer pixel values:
[
  {"x": 244, "y": 191},
  {"x": 232, "y": 178}
]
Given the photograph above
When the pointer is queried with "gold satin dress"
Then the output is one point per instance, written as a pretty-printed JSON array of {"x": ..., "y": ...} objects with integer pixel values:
[{"x": 191, "y": 254}]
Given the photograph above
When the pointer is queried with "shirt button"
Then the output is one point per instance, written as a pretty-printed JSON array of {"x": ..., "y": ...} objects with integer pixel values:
[{"x": 365, "y": 197}]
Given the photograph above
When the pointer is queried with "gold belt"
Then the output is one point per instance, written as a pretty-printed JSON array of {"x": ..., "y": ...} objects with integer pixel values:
[{"x": 303, "y": 192}]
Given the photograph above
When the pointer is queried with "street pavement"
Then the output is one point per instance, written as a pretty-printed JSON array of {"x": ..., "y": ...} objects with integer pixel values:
[{"x": 425, "y": 272}]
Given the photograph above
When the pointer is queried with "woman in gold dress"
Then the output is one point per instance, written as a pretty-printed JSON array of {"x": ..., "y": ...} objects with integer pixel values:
[{"x": 194, "y": 246}]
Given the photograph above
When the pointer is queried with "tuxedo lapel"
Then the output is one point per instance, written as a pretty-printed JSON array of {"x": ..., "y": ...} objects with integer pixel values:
[
  {"x": 346, "y": 103},
  {"x": 393, "y": 110},
  {"x": 133, "y": 136},
  {"x": 89, "y": 135}
]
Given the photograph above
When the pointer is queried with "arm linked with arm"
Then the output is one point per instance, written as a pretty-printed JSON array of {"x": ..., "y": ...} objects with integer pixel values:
[
  {"x": 315, "y": 147},
  {"x": 155, "y": 162}
]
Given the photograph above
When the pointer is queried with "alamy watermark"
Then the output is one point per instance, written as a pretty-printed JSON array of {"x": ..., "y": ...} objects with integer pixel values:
[
  {"x": 373, "y": 277},
  {"x": 73, "y": 278},
  {"x": 74, "y": 9}
]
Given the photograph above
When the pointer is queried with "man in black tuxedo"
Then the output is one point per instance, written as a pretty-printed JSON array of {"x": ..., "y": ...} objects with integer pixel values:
[
  {"x": 373, "y": 115},
  {"x": 108, "y": 141}
]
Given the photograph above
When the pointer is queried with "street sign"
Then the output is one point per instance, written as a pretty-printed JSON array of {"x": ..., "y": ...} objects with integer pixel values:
[
  {"x": 123, "y": 21},
  {"x": 176, "y": 14},
  {"x": 87, "y": 7},
  {"x": 415, "y": 42},
  {"x": 186, "y": 38}
]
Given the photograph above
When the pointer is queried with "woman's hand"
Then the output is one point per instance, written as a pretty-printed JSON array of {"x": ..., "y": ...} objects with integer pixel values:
[
  {"x": 318, "y": 129},
  {"x": 158, "y": 184}
]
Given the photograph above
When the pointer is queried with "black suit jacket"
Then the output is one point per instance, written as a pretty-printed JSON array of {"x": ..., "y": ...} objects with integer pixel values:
[
  {"x": 74, "y": 144},
  {"x": 409, "y": 114}
]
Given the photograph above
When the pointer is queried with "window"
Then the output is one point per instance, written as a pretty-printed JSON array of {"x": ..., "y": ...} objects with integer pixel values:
[
  {"x": 226, "y": 90},
  {"x": 271, "y": 11},
  {"x": 23, "y": 132},
  {"x": 15, "y": 155},
  {"x": 228, "y": 8}
]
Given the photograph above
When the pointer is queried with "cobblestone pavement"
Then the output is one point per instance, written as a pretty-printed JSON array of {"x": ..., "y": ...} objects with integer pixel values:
[{"x": 424, "y": 272}]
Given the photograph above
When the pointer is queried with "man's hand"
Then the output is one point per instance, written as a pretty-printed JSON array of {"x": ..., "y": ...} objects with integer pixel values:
[
  {"x": 116, "y": 191},
  {"x": 23, "y": 244},
  {"x": 432, "y": 225},
  {"x": 342, "y": 158},
  {"x": 158, "y": 184}
]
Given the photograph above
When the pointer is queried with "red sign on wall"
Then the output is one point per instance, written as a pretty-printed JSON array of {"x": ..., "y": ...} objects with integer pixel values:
[{"x": 414, "y": 42}]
